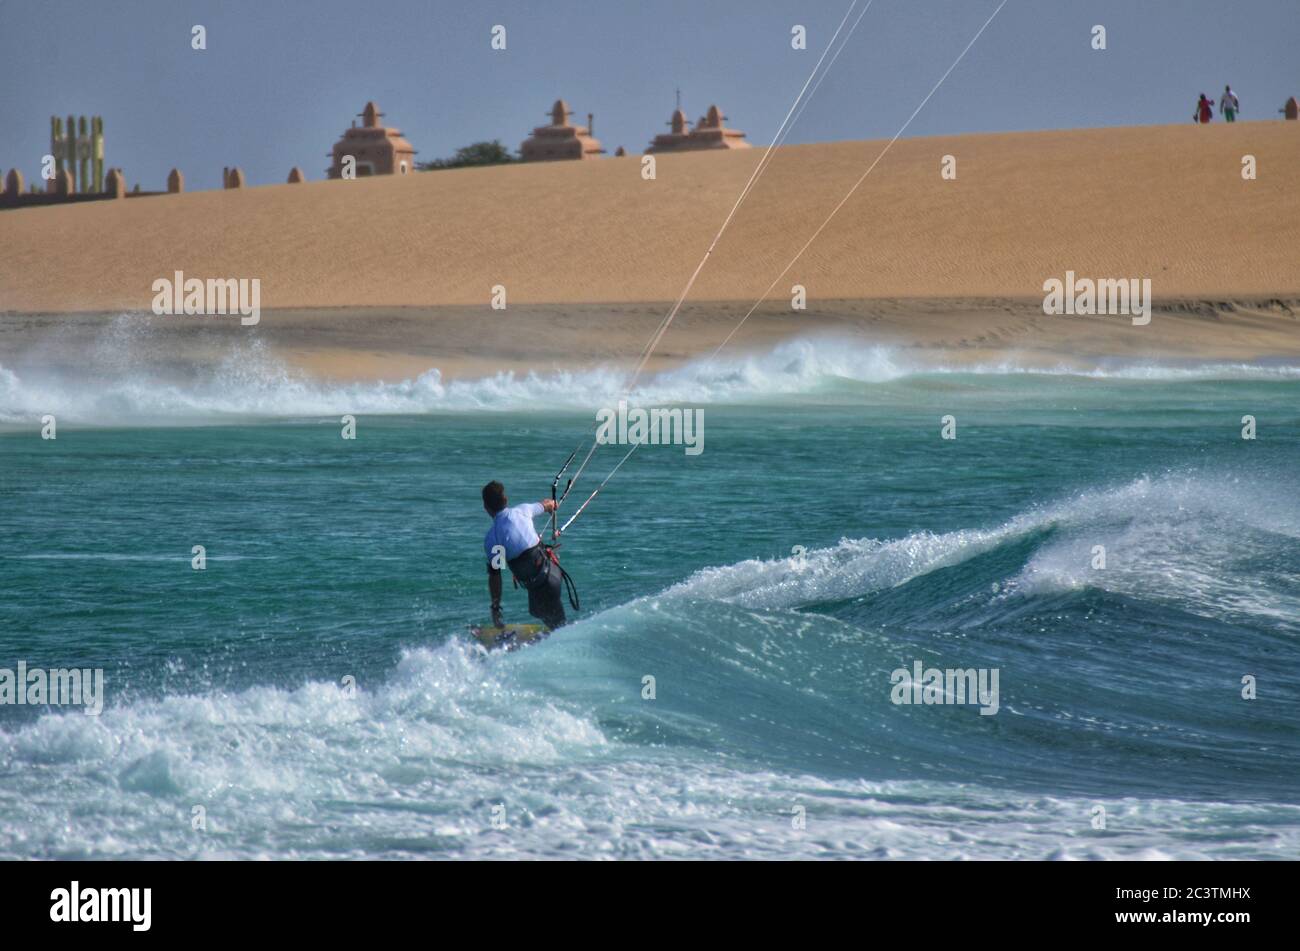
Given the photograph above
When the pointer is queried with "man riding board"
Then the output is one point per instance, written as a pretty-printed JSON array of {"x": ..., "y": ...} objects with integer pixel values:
[{"x": 513, "y": 542}]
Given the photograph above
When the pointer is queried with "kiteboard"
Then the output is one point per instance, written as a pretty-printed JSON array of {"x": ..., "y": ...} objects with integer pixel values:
[{"x": 509, "y": 636}]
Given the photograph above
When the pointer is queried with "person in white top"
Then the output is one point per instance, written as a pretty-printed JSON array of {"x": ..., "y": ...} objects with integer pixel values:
[
  {"x": 512, "y": 542},
  {"x": 1228, "y": 105}
]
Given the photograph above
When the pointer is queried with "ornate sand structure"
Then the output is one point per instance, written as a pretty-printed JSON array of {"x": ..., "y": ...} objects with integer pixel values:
[
  {"x": 674, "y": 141},
  {"x": 377, "y": 150},
  {"x": 560, "y": 140},
  {"x": 78, "y": 148},
  {"x": 709, "y": 133}
]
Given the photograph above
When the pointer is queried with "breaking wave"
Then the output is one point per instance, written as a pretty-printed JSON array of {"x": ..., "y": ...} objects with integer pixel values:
[
  {"x": 772, "y": 693},
  {"x": 123, "y": 385}
]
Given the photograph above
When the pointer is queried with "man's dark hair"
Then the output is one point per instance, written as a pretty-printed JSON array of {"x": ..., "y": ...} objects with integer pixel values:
[{"x": 494, "y": 497}]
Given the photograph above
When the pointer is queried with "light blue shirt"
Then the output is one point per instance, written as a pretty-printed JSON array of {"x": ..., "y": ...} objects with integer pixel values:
[{"x": 513, "y": 529}]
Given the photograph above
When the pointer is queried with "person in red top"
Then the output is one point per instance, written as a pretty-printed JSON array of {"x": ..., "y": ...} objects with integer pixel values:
[{"x": 1204, "y": 110}]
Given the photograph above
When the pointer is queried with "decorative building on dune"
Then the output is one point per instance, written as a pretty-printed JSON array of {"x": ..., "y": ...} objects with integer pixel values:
[
  {"x": 561, "y": 139},
  {"x": 709, "y": 133},
  {"x": 376, "y": 149}
]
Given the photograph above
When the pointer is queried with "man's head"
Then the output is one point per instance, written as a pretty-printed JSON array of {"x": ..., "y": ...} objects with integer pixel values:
[{"x": 494, "y": 498}]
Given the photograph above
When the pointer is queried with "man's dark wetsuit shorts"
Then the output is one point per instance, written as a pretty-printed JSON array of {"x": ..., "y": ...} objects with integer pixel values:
[{"x": 535, "y": 571}]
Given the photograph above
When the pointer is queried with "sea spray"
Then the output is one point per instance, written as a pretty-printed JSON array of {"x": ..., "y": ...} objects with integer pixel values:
[{"x": 124, "y": 385}]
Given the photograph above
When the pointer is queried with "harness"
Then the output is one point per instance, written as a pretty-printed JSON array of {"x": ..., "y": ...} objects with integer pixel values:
[{"x": 532, "y": 569}]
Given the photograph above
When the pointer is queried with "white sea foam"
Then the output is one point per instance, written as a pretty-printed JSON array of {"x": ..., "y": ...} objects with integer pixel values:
[
  {"x": 1209, "y": 546},
  {"x": 1174, "y": 537},
  {"x": 126, "y": 382},
  {"x": 415, "y": 765}
]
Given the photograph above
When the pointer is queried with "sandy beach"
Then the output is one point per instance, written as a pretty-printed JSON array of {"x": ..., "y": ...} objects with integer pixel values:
[
  {"x": 463, "y": 342},
  {"x": 383, "y": 278}
]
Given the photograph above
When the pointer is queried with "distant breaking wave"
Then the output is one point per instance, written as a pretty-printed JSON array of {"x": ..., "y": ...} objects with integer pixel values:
[{"x": 248, "y": 382}]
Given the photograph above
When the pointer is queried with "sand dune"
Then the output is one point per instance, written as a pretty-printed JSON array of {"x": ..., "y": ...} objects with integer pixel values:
[{"x": 1168, "y": 203}]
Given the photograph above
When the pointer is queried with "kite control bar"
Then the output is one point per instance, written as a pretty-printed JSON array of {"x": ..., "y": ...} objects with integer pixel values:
[{"x": 555, "y": 484}]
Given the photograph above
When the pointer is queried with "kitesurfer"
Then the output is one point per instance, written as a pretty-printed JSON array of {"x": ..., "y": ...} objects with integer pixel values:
[{"x": 513, "y": 541}]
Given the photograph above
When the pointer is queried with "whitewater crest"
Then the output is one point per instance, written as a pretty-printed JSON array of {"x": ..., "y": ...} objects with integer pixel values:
[
  {"x": 561, "y": 744},
  {"x": 1172, "y": 538},
  {"x": 128, "y": 381}
]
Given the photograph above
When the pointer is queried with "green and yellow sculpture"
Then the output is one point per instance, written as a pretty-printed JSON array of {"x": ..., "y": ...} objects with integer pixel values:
[{"x": 79, "y": 149}]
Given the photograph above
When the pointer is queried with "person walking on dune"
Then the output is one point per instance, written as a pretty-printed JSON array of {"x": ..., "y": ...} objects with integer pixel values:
[
  {"x": 1228, "y": 105},
  {"x": 1204, "y": 110}
]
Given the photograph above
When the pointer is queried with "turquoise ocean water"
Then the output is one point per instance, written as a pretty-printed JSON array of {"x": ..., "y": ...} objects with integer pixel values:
[{"x": 311, "y": 693}]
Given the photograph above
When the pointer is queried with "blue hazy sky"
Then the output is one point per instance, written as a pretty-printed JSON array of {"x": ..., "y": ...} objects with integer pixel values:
[{"x": 281, "y": 79}]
